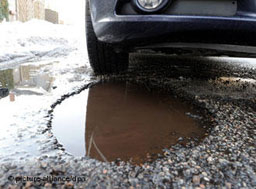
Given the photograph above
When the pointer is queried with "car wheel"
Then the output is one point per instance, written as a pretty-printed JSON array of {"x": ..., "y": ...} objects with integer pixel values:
[{"x": 103, "y": 59}]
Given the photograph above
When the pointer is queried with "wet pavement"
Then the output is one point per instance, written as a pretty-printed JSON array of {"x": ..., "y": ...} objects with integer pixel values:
[
  {"x": 27, "y": 85},
  {"x": 125, "y": 121},
  {"x": 218, "y": 94},
  {"x": 27, "y": 80}
]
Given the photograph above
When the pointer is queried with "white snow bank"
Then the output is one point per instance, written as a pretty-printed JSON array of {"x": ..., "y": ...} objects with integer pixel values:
[{"x": 37, "y": 39}]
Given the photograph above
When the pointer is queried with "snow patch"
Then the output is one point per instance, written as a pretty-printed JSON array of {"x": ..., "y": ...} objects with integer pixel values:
[{"x": 36, "y": 40}]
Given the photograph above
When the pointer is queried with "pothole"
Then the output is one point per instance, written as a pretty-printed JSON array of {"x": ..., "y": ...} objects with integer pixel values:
[{"x": 124, "y": 121}]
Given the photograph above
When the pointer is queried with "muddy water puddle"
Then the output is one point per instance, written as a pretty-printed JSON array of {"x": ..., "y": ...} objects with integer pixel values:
[{"x": 124, "y": 121}]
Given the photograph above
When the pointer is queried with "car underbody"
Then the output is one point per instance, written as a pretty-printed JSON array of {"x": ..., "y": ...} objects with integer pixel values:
[
  {"x": 197, "y": 25},
  {"x": 199, "y": 49},
  {"x": 182, "y": 27}
]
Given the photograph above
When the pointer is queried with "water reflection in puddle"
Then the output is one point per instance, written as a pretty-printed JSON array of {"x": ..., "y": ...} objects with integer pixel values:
[
  {"x": 25, "y": 80},
  {"x": 122, "y": 120}
]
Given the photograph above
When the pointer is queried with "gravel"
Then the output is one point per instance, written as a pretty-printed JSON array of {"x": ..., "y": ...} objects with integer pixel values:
[{"x": 226, "y": 158}]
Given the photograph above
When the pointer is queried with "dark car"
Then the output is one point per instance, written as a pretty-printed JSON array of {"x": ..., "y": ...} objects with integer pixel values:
[{"x": 116, "y": 28}]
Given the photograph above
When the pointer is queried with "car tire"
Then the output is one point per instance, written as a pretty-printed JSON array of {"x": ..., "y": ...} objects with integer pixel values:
[{"x": 103, "y": 59}]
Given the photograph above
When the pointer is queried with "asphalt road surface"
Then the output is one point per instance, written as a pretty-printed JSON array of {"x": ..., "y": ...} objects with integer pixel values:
[{"x": 221, "y": 90}]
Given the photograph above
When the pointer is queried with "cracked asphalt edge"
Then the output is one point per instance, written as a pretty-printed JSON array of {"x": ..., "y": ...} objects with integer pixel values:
[{"x": 225, "y": 158}]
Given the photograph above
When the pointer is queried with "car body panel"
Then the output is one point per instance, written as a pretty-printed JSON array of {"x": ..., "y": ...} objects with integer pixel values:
[{"x": 144, "y": 30}]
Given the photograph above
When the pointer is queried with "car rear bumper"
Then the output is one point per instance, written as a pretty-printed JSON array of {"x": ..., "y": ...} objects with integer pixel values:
[{"x": 140, "y": 30}]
